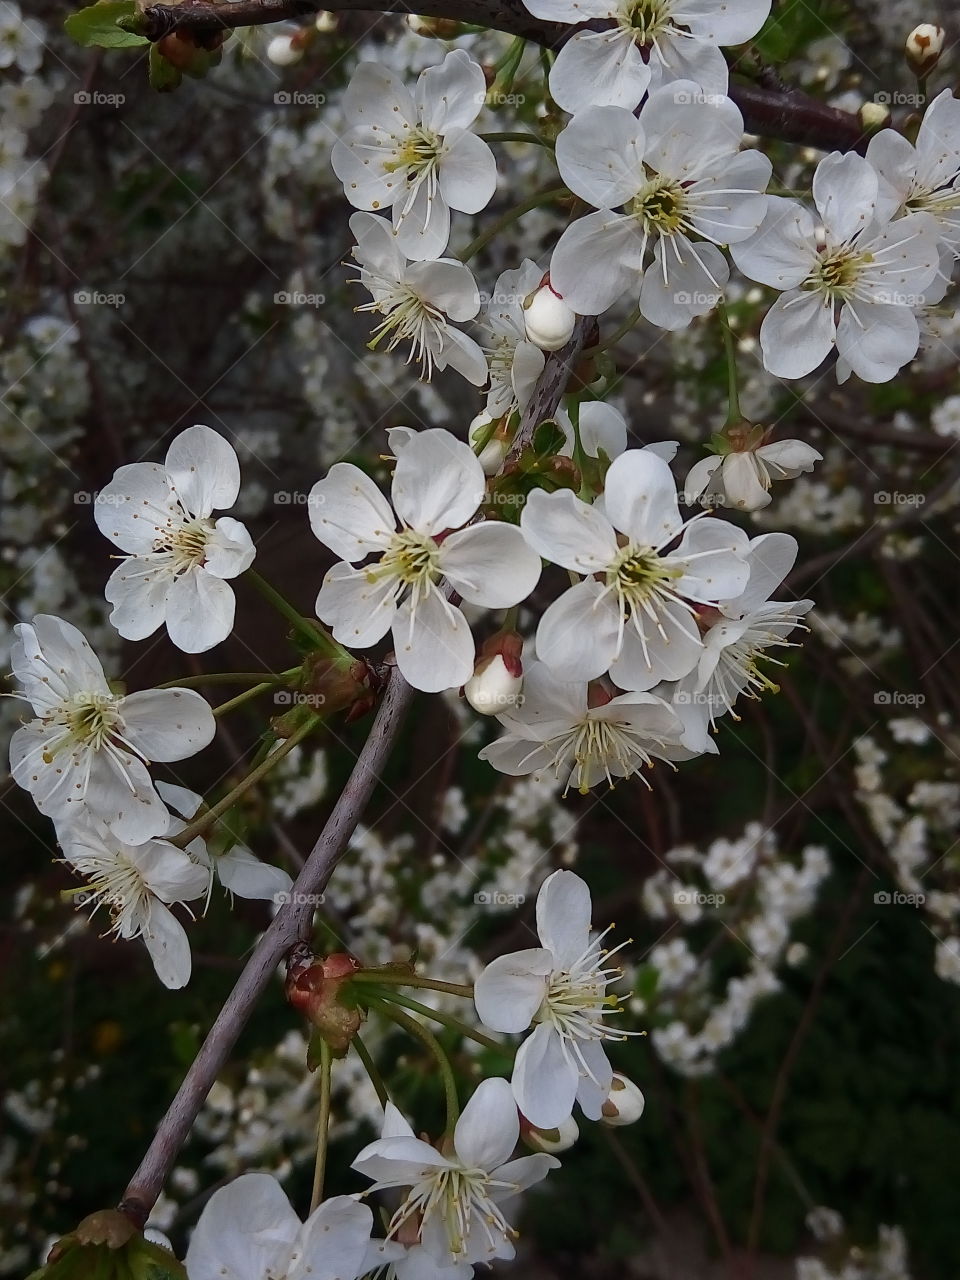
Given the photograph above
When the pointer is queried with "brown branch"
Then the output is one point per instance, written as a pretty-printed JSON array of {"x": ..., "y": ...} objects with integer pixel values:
[
  {"x": 789, "y": 115},
  {"x": 290, "y": 926}
]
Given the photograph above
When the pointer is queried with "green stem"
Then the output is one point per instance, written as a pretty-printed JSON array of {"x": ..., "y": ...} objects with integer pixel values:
[
  {"x": 228, "y": 677},
  {"x": 232, "y": 703},
  {"x": 544, "y": 197},
  {"x": 430, "y": 1041},
  {"x": 447, "y": 1019},
  {"x": 323, "y": 1124},
  {"x": 314, "y": 635},
  {"x": 518, "y": 137},
  {"x": 505, "y": 68},
  {"x": 199, "y": 825},
  {"x": 388, "y": 978},
  {"x": 730, "y": 348},
  {"x": 376, "y": 1079}
]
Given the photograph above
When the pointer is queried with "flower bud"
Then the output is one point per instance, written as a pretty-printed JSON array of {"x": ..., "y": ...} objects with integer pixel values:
[
  {"x": 325, "y": 22},
  {"x": 314, "y": 987},
  {"x": 493, "y": 690},
  {"x": 549, "y": 321},
  {"x": 492, "y": 454},
  {"x": 434, "y": 28},
  {"x": 624, "y": 1103},
  {"x": 874, "y": 115},
  {"x": 924, "y": 47},
  {"x": 283, "y": 51},
  {"x": 552, "y": 1140}
]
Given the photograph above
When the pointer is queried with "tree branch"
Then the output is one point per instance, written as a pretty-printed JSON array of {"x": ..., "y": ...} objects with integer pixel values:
[
  {"x": 291, "y": 925},
  {"x": 789, "y": 115}
]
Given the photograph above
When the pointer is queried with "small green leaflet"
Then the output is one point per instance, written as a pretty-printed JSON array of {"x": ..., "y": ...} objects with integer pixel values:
[{"x": 97, "y": 25}]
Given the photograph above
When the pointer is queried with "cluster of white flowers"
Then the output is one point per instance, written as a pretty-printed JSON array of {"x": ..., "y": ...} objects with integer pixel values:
[{"x": 757, "y": 894}]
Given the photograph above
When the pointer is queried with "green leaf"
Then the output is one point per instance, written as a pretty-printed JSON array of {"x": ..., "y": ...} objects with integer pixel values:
[{"x": 96, "y": 26}]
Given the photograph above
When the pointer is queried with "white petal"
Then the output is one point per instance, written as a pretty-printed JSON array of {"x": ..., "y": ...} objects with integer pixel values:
[
  {"x": 577, "y": 635},
  {"x": 168, "y": 724},
  {"x": 640, "y": 498},
  {"x": 592, "y": 1089},
  {"x": 596, "y": 260},
  {"x": 452, "y": 95},
  {"x": 204, "y": 470},
  {"x": 685, "y": 280},
  {"x": 797, "y": 334},
  {"x": 135, "y": 507},
  {"x": 200, "y": 611},
  {"x": 248, "y": 877},
  {"x": 138, "y": 590},
  {"x": 332, "y": 1243},
  {"x": 884, "y": 340},
  {"x": 245, "y": 1232},
  {"x": 438, "y": 482},
  {"x": 599, "y": 69},
  {"x": 563, "y": 529},
  {"x": 468, "y": 173},
  {"x": 564, "y": 913},
  {"x": 230, "y": 550},
  {"x": 434, "y": 647},
  {"x": 168, "y": 945},
  {"x": 698, "y": 483},
  {"x": 600, "y": 156},
  {"x": 359, "y": 612},
  {"x": 349, "y": 514},
  {"x": 449, "y": 285},
  {"x": 489, "y": 1128},
  {"x": 544, "y": 1079},
  {"x": 490, "y": 564},
  {"x": 783, "y": 252},
  {"x": 602, "y": 428},
  {"x": 511, "y": 989},
  {"x": 845, "y": 189}
]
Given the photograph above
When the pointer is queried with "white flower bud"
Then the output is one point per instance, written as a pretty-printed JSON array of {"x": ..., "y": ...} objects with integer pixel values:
[
  {"x": 924, "y": 47},
  {"x": 282, "y": 51},
  {"x": 325, "y": 22},
  {"x": 491, "y": 456},
  {"x": 624, "y": 1104},
  {"x": 549, "y": 321},
  {"x": 874, "y": 115},
  {"x": 553, "y": 1140},
  {"x": 493, "y": 690}
]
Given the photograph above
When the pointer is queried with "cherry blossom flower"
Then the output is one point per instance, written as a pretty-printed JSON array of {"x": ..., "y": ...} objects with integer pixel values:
[
  {"x": 438, "y": 484},
  {"x": 137, "y": 883},
  {"x": 515, "y": 362},
  {"x": 601, "y": 428},
  {"x": 670, "y": 181},
  {"x": 742, "y": 477},
  {"x": 415, "y": 152},
  {"x": 648, "y": 43},
  {"x": 418, "y": 301},
  {"x": 923, "y": 177},
  {"x": 86, "y": 753},
  {"x": 737, "y": 637},
  {"x": 555, "y": 729},
  {"x": 632, "y": 614},
  {"x": 852, "y": 282},
  {"x": 560, "y": 988},
  {"x": 179, "y": 557},
  {"x": 456, "y": 1196},
  {"x": 248, "y": 1231}
]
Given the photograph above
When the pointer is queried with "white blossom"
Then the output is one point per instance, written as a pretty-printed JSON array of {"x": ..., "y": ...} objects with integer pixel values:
[
  {"x": 647, "y": 43},
  {"x": 419, "y": 302},
  {"x": 560, "y": 988},
  {"x": 742, "y": 477},
  {"x": 415, "y": 153},
  {"x": 437, "y": 486},
  {"x": 673, "y": 182},
  {"x": 87, "y": 751},
  {"x": 178, "y": 557},
  {"x": 456, "y": 1197}
]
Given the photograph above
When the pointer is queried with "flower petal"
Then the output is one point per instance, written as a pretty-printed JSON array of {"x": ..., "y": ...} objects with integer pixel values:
[
  {"x": 438, "y": 482},
  {"x": 489, "y": 1128},
  {"x": 245, "y": 1232},
  {"x": 168, "y": 724},
  {"x": 349, "y": 514},
  {"x": 511, "y": 989},
  {"x": 433, "y": 643},
  {"x": 204, "y": 470},
  {"x": 490, "y": 564},
  {"x": 577, "y": 635},
  {"x": 564, "y": 913},
  {"x": 569, "y": 532},
  {"x": 544, "y": 1079}
]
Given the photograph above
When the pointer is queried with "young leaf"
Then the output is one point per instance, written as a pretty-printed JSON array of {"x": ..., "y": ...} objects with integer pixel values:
[{"x": 96, "y": 26}]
